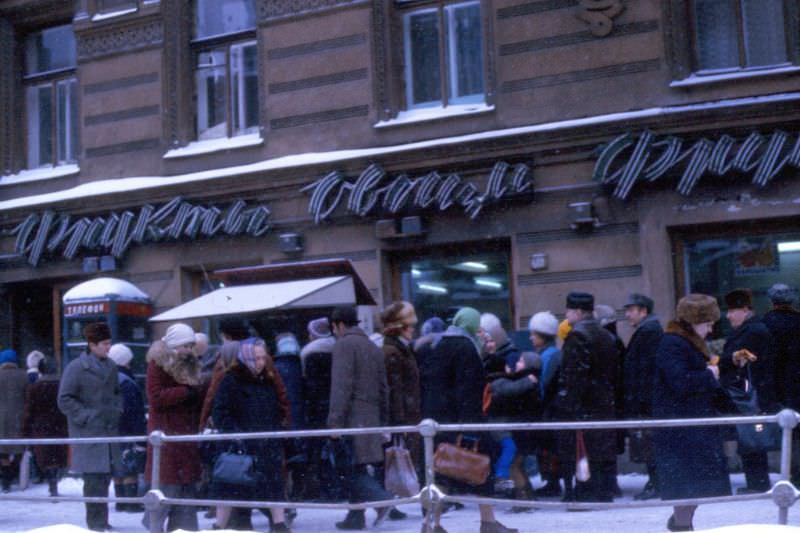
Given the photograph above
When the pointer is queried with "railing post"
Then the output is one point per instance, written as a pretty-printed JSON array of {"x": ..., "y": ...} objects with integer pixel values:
[
  {"x": 430, "y": 494},
  {"x": 784, "y": 496},
  {"x": 156, "y": 440}
]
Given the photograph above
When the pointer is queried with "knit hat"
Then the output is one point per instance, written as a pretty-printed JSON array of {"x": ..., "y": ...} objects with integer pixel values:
[
  {"x": 491, "y": 325},
  {"x": 604, "y": 314},
  {"x": 697, "y": 309},
  {"x": 8, "y": 356},
  {"x": 563, "y": 329},
  {"x": 178, "y": 335},
  {"x": 96, "y": 332},
  {"x": 469, "y": 320},
  {"x": 319, "y": 328},
  {"x": 433, "y": 325},
  {"x": 781, "y": 294},
  {"x": 120, "y": 354},
  {"x": 544, "y": 322},
  {"x": 739, "y": 299},
  {"x": 640, "y": 300},
  {"x": 397, "y": 316},
  {"x": 345, "y": 314},
  {"x": 34, "y": 359},
  {"x": 580, "y": 300},
  {"x": 286, "y": 344}
]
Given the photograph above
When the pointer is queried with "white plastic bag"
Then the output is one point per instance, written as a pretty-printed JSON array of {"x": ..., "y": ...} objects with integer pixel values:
[
  {"x": 25, "y": 470},
  {"x": 582, "y": 472}
]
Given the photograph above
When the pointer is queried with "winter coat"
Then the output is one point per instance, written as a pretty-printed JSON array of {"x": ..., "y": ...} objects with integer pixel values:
[
  {"x": 640, "y": 368},
  {"x": 13, "y": 382},
  {"x": 90, "y": 398},
  {"x": 509, "y": 353},
  {"x": 43, "y": 420},
  {"x": 586, "y": 389},
  {"x": 423, "y": 348},
  {"x": 783, "y": 322},
  {"x": 402, "y": 376},
  {"x": 316, "y": 357},
  {"x": 291, "y": 371},
  {"x": 359, "y": 392},
  {"x": 174, "y": 397},
  {"x": 689, "y": 460},
  {"x": 247, "y": 403},
  {"x": 132, "y": 421},
  {"x": 515, "y": 398},
  {"x": 752, "y": 335},
  {"x": 551, "y": 363}
]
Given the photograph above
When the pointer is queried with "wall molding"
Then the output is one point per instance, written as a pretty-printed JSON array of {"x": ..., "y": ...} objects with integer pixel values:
[
  {"x": 610, "y": 71},
  {"x": 125, "y": 114},
  {"x": 121, "y": 148},
  {"x": 276, "y": 10},
  {"x": 120, "y": 83},
  {"x": 317, "y": 81},
  {"x": 316, "y": 46},
  {"x": 536, "y": 237},
  {"x": 571, "y": 39},
  {"x": 532, "y": 8},
  {"x": 318, "y": 117},
  {"x": 111, "y": 40},
  {"x": 595, "y": 274}
]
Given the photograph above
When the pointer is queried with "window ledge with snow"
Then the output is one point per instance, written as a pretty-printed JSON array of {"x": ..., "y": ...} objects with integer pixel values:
[
  {"x": 211, "y": 146},
  {"x": 722, "y": 77},
  {"x": 37, "y": 174},
  {"x": 426, "y": 114},
  {"x": 113, "y": 14}
]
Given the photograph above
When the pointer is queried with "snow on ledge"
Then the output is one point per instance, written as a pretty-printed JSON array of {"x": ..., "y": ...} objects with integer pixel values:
[
  {"x": 709, "y": 79},
  {"x": 113, "y": 14},
  {"x": 426, "y": 114},
  {"x": 215, "y": 145},
  {"x": 39, "y": 174}
]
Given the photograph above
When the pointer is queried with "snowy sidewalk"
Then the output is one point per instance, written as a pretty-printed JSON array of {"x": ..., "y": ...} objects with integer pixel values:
[{"x": 27, "y": 516}]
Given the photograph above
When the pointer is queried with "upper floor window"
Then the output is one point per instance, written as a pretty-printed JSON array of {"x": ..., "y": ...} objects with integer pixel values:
[
  {"x": 226, "y": 75},
  {"x": 443, "y": 55},
  {"x": 51, "y": 94},
  {"x": 740, "y": 34}
]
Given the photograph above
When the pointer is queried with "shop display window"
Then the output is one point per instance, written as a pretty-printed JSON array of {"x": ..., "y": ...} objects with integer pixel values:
[
  {"x": 716, "y": 266},
  {"x": 440, "y": 286}
]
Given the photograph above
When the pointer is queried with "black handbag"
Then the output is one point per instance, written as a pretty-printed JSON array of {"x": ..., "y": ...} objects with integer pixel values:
[
  {"x": 234, "y": 467},
  {"x": 753, "y": 438}
]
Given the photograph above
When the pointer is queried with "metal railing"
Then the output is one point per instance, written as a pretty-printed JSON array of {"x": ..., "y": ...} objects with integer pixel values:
[{"x": 784, "y": 494}]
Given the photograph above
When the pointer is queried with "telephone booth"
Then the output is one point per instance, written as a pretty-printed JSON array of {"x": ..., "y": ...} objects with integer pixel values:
[{"x": 119, "y": 303}]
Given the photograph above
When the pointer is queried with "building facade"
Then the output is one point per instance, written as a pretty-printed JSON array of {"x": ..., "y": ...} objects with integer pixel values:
[{"x": 494, "y": 153}]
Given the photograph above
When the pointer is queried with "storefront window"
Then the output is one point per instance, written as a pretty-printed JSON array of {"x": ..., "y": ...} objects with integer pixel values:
[
  {"x": 440, "y": 286},
  {"x": 716, "y": 266}
]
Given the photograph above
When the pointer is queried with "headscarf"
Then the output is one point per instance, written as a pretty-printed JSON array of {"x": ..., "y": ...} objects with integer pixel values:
[
  {"x": 246, "y": 354},
  {"x": 469, "y": 320},
  {"x": 433, "y": 325}
]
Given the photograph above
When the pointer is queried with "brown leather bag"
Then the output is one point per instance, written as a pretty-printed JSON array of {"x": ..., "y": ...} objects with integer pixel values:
[{"x": 461, "y": 464}]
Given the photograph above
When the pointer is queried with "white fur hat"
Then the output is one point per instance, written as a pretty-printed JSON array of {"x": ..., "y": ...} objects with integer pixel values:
[
  {"x": 178, "y": 335},
  {"x": 544, "y": 322},
  {"x": 34, "y": 358},
  {"x": 120, "y": 354},
  {"x": 491, "y": 325}
]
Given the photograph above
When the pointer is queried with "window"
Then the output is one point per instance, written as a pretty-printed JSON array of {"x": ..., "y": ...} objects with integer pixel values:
[
  {"x": 443, "y": 55},
  {"x": 51, "y": 96},
  {"x": 226, "y": 75},
  {"x": 740, "y": 34},
  {"x": 110, "y": 6}
]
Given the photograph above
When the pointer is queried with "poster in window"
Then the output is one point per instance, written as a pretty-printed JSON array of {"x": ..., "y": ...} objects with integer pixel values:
[{"x": 757, "y": 256}]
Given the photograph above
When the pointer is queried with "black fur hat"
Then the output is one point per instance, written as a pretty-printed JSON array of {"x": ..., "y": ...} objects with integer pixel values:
[
  {"x": 739, "y": 299},
  {"x": 580, "y": 300},
  {"x": 96, "y": 332}
]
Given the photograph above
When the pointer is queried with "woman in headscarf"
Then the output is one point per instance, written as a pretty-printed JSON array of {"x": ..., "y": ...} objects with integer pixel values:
[{"x": 252, "y": 398}]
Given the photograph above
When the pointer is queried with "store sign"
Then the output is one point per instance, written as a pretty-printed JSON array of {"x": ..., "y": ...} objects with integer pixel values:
[
  {"x": 627, "y": 160},
  {"x": 177, "y": 220},
  {"x": 374, "y": 191},
  {"x": 85, "y": 309}
]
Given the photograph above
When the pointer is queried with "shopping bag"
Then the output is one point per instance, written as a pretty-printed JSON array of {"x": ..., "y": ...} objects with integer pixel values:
[
  {"x": 25, "y": 470},
  {"x": 234, "y": 467},
  {"x": 753, "y": 438},
  {"x": 582, "y": 472},
  {"x": 461, "y": 464},
  {"x": 400, "y": 477}
]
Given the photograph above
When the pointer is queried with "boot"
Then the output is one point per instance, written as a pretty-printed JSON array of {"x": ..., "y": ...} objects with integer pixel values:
[
  {"x": 551, "y": 489},
  {"x": 119, "y": 492},
  {"x": 496, "y": 527},
  {"x": 673, "y": 527},
  {"x": 280, "y": 527},
  {"x": 52, "y": 485},
  {"x": 6, "y": 477},
  {"x": 132, "y": 491},
  {"x": 355, "y": 520}
]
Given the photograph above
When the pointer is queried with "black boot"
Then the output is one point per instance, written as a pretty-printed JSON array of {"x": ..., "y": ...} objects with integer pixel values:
[
  {"x": 673, "y": 527},
  {"x": 354, "y": 520},
  {"x": 52, "y": 483},
  {"x": 6, "y": 477},
  {"x": 119, "y": 492},
  {"x": 551, "y": 489},
  {"x": 132, "y": 491}
]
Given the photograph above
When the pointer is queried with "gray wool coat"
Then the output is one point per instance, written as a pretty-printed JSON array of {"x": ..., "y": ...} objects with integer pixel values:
[
  {"x": 359, "y": 392},
  {"x": 13, "y": 382},
  {"x": 89, "y": 396}
]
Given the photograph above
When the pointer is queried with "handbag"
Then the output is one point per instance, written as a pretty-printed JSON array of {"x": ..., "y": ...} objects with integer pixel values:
[
  {"x": 234, "y": 467},
  {"x": 753, "y": 438},
  {"x": 461, "y": 464},
  {"x": 400, "y": 477},
  {"x": 582, "y": 472}
]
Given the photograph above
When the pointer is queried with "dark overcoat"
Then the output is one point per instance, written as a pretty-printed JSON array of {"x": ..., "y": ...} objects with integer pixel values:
[
  {"x": 316, "y": 357},
  {"x": 132, "y": 421},
  {"x": 291, "y": 371},
  {"x": 359, "y": 392},
  {"x": 783, "y": 322},
  {"x": 13, "y": 381},
  {"x": 403, "y": 379},
  {"x": 752, "y": 335},
  {"x": 43, "y": 420},
  {"x": 689, "y": 460},
  {"x": 640, "y": 368}
]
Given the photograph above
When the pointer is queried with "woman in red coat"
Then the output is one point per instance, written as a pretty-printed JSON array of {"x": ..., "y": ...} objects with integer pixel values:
[
  {"x": 42, "y": 420},
  {"x": 175, "y": 398}
]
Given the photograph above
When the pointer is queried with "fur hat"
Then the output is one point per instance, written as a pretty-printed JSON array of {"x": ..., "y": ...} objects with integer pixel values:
[
  {"x": 491, "y": 325},
  {"x": 397, "y": 316},
  {"x": 178, "y": 335},
  {"x": 8, "y": 356},
  {"x": 739, "y": 299},
  {"x": 545, "y": 323},
  {"x": 319, "y": 328},
  {"x": 120, "y": 354},
  {"x": 286, "y": 344},
  {"x": 34, "y": 359},
  {"x": 346, "y": 314},
  {"x": 580, "y": 300},
  {"x": 234, "y": 328},
  {"x": 604, "y": 314},
  {"x": 697, "y": 309},
  {"x": 781, "y": 294},
  {"x": 640, "y": 300},
  {"x": 96, "y": 332}
]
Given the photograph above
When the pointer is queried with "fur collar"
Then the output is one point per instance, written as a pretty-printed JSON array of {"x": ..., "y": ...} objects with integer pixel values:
[
  {"x": 185, "y": 371},
  {"x": 322, "y": 345},
  {"x": 685, "y": 330}
]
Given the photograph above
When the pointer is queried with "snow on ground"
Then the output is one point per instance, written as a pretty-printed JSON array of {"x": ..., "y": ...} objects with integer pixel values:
[{"x": 742, "y": 517}]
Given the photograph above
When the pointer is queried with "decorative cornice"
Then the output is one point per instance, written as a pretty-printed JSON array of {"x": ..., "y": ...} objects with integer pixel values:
[
  {"x": 281, "y": 9},
  {"x": 115, "y": 39}
]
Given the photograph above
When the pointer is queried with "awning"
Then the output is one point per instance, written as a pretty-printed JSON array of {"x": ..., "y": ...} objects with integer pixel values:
[{"x": 259, "y": 297}]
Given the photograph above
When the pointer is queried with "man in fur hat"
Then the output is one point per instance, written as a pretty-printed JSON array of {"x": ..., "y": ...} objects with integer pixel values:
[
  {"x": 89, "y": 396},
  {"x": 749, "y": 333}
]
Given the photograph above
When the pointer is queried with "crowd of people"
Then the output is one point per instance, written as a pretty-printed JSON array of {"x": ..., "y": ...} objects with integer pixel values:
[{"x": 463, "y": 370}]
